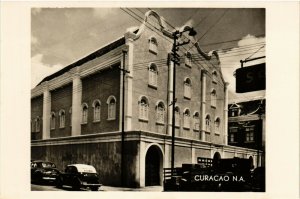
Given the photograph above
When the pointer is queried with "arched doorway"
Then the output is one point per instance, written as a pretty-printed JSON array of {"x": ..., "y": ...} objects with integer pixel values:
[
  {"x": 216, "y": 159},
  {"x": 154, "y": 164}
]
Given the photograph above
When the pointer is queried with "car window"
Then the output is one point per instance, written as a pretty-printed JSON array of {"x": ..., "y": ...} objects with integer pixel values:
[{"x": 71, "y": 170}]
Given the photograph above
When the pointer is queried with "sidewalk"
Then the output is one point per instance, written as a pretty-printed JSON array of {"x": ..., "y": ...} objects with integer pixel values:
[{"x": 148, "y": 188}]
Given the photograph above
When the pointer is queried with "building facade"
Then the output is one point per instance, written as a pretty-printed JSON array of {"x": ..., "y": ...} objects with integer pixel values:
[
  {"x": 246, "y": 125},
  {"x": 76, "y": 113}
]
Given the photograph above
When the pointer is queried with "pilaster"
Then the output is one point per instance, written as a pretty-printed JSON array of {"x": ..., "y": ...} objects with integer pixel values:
[
  {"x": 76, "y": 102},
  {"x": 203, "y": 104},
  {"x": 46, "y": 111}
]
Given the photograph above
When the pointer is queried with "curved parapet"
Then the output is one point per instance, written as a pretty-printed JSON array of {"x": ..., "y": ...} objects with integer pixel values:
[
  {"x": 163, "y": 29},
  {"x": 209, "y": 55}
]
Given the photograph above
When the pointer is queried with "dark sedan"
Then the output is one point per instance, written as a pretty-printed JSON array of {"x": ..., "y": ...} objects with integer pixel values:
[
  {"x": 79, "y": 176},
  {"x": 43, "y": 171}
]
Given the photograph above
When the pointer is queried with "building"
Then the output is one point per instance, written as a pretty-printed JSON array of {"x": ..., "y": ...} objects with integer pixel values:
[
  {"x": 76, "y": 112},
  {"x": 246, "y": 125}
]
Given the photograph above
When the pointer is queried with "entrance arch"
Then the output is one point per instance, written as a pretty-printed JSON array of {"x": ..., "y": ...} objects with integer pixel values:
[
  {"x": 154, "y": 166},
  {"x": 216, "y": 158}
]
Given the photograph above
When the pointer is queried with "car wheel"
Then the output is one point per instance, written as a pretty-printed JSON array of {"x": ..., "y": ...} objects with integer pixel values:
[
  {"x": 58, "y": 182},
  {"x": 94, "y": 188},
  {"x": 76, "y": 185}
]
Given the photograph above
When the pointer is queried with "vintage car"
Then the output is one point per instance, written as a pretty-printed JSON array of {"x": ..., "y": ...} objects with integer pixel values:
[
  {"x": 43, "y": 171},
  {"x": 79, "y": 176}
]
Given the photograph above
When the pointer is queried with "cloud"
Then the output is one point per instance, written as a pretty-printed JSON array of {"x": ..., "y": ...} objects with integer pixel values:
[
  {"x": 35, "y": 11},
  {"x": 101, "y": 13},
  {"x": 39, "y": 70},
  {"x": 230, "y": 61}
]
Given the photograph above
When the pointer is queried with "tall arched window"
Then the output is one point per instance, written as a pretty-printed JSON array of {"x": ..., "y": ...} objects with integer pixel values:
[
  {"x": 217, "y": 125},
  {"x": 62, "y": 118},
  {"x": 143, "y": 108},
  {"x": 111, "y": 102},
  {"x": 52, "y": 121},
  {"x": 153, "y": 45},
  {"x": 153, "y": 75},
  {"x": 214, "y": 77},
  {"x": 207, "y": 123},
  {"x": 187, "y": 88},
  {"x": 213, "y": 98},
  {"x": 160, "y": 113},
  {"x": 196, "y": 120},
  {"x": 186, "y": 118},
  {"x": 37, "y": 124},
  {"x": 84, "y": 117},
  {"x": 96, "y": 106},
  {"x": 188, "y": 59},
  {"x": 177, "y": 116}
]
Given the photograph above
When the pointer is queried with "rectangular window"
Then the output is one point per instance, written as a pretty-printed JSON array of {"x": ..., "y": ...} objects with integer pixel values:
[
  {"x": 249, "y": 133},
  {"x": 177, "y": 119},
  {"x": 187, "y": 91},
  {"x": 186, "y": 121},
  {"x": 196, "y": 124},
  {"x": 143, "y": 112},
  {"x": 160, "y": 115},
  {"x": 232, "y": 134},
  {"x": 112, "y": 111}
]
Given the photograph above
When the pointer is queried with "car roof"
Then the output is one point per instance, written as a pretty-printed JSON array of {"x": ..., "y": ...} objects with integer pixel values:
[{"x": 84, "y": 168}]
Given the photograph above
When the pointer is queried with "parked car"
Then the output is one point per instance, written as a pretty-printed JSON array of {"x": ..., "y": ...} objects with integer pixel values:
[
  {"x": 43, "y": 171},
  {"x": 79, "y": 176}
]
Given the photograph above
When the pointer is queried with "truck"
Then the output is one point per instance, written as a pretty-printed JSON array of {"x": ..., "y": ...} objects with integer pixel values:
[{"x": 231, "y": 174}]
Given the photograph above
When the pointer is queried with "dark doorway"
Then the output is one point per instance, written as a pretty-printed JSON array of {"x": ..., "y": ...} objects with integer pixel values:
[
  {"x": 153, "y": 164},
  {"x": 216, "y": 158}
]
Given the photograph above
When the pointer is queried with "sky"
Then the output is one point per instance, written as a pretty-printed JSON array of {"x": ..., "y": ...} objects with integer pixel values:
[{"x": 61, "y": 36}]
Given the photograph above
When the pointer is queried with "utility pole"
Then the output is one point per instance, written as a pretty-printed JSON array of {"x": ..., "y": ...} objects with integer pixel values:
[
  {"x": 175, "y": 58},
  {"x": 124, "y": 71}
]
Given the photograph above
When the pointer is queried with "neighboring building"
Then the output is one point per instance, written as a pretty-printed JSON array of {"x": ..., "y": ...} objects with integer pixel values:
[
  {"x": 246, "y": 125},
  {"x": 76, "y": 112}
]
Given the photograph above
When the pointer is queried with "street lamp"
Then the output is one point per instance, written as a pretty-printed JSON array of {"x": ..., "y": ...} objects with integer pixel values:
[{"x": 176, "y": 59}]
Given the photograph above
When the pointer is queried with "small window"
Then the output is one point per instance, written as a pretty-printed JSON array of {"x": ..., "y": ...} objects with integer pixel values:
[
  {"x": 207, "y": 123},
  {"x": 177, "y": 116},
  {"x": 213, "y": 98},
  {"x": 84, "y": 118},
  {"x": 249, "y": 133},
  {"x": 62, "y": 118},
  {"x": 153, "y": 75},
  {"x": 232, "y": 134},
  {"x": 160, "y": 113},
  {"x": 187, "y": 88},
  {"x": 217, "y": 126},
  {"x": 188, "y": 59},
  {"x": 37, "y": 124},
  {"x": 153, "y": 45},
  {"x": 70, "y": 112},
  {"x": 52, "y": 121},
  {"x": 111, "y": 103},
  {"x": 196, "y": 120},
  {"x": 186, "y": 118},
  {"x": 214, "y": 77},
  {"x": 143, "y": 108},
  {"x": 96, "y": 106}
]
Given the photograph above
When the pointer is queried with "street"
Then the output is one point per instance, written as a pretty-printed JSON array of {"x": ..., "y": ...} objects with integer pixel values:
[{"x": 52, "y": 187}]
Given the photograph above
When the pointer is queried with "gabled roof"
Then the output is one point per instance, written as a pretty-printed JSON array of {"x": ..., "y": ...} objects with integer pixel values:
[{"x": 88, "y": 58}]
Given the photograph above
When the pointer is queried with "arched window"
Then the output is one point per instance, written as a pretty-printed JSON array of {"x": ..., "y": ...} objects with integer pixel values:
[
  {"x": 160, "y": 113},
  {"x": 196, "y": 120},
  {"x": 37, "y": 124},
  {"x": 213, "y": 98},
  {"x": 187, "y": 88},
  {"x": 217, "y": 125},
  {"x": 177, "y": 116},
  {"x": 96, "y": 106},
  {"x": 153, "y": 45},
  {"x": 111, "y": 102},
  {"x": 84, "y": 117},
  {"x": 62, "y": 118},
  {"x": 52, "y": 121},
  {"x": 188, "y": 59},
  {"x": 70, "y": 112},
  {"x": 153, "y": 75},
  {"x": 214, "y": 77},
  {"x": 186, "y": 118},
  {"x": 207, "y": 123},
  {"x": 143, "y": 108}
]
